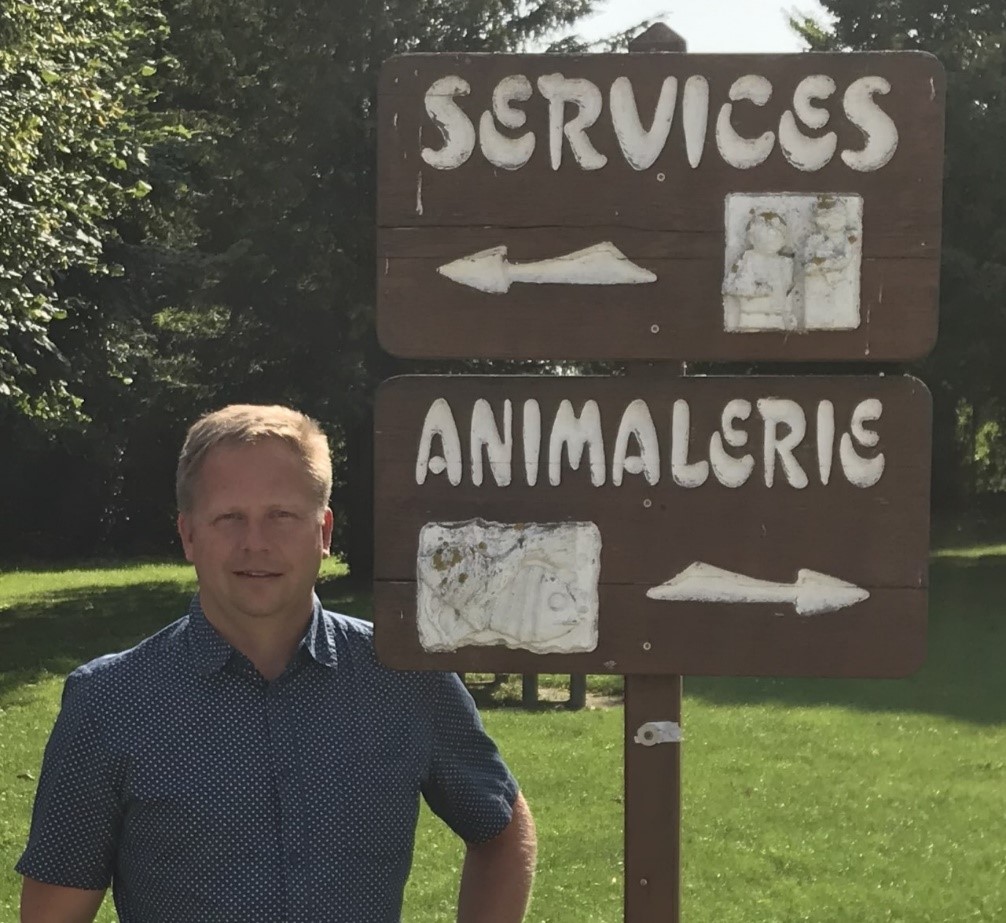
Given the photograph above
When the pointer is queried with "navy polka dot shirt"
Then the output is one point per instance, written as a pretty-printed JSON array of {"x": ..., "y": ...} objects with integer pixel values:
[{"x": 204, "y": 793}]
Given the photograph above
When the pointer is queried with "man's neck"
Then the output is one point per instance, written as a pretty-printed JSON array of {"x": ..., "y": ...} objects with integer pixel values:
[
  {"x": 270, "y": 659},
  {"x": 269, "y": 644}
]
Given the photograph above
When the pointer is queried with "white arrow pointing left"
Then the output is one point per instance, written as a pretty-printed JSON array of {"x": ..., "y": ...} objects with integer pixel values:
[
  {"x": 811, "y": 594},
  {"x": 602, "y": 264}
]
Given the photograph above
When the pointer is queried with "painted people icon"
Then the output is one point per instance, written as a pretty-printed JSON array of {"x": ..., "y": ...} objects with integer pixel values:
[{"x": 793, "y": 262}]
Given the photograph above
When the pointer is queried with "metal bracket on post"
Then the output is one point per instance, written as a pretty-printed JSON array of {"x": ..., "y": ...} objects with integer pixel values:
[{"x": 658, "y": 732}]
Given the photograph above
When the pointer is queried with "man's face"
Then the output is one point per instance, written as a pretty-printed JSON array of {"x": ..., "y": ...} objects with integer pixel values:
[{"x": 255, "y": 533}]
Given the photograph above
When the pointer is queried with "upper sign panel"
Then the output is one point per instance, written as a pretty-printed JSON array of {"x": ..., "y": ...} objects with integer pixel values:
[{"x": 660, "y": 206}]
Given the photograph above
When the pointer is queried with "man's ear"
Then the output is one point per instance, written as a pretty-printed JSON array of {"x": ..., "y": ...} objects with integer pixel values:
[
  {"x": 328, "y": 519},
  {"x": 185, "y": 534}
]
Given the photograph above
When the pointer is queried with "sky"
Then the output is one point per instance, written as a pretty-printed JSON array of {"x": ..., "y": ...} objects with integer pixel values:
[{"x": 709, "y": 26}]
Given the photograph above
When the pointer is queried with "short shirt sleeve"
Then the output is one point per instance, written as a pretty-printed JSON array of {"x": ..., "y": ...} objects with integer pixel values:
[
  {"x": 76, "y": 819},
  {"x": 468, "y": 785}
]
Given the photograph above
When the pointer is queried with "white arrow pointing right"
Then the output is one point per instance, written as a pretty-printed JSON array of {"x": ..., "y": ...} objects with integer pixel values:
[{"x": 811, "y": 594}]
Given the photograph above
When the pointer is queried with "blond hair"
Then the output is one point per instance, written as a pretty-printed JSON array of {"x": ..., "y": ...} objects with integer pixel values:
[{"x": 248, "y": 424}]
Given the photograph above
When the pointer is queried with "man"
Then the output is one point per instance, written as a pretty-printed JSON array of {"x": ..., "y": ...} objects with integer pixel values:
[{"x": 253, "y": 762}]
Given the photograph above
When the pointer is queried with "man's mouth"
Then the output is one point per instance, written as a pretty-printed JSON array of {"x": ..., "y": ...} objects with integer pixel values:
[{"x": 257, "y": 574}]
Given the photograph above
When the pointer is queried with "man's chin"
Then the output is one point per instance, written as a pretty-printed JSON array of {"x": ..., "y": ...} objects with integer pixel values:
[
  {"x": 263, "y": 605},
  {"x": 273, "y": 601}
]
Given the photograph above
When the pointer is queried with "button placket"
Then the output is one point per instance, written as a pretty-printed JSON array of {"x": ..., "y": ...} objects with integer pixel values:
[{"x": 286, "y": 775}]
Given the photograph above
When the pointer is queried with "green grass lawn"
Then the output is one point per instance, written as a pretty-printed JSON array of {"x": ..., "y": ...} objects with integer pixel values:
[{"x": 823, "y": 801}]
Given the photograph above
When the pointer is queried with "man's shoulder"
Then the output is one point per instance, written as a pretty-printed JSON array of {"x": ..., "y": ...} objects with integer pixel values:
[
  {"x": 133, "y": 664},
  {"x": 354, "y": 638},
  {"x": 358, "y": 630}
]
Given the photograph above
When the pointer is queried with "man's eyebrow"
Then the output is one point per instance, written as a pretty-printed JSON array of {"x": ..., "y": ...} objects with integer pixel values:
[{"x": 225, "y": 511}]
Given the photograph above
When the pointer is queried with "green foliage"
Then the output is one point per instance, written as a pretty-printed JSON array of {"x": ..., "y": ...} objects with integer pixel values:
[
  {"x": 74, "y": 98},
  {"x": 218, "y": 158},
  {"x": 286, "y": 194}
]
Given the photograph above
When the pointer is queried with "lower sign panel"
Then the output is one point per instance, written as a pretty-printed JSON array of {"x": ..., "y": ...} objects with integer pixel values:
[{"x": 719, "y": 526}]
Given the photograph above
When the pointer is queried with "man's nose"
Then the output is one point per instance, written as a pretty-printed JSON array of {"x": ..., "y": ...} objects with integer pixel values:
[{"x": 256, "y": 534}]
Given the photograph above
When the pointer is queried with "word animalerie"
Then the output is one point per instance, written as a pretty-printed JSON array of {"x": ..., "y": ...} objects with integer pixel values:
[{"x": 779, "y": 424}]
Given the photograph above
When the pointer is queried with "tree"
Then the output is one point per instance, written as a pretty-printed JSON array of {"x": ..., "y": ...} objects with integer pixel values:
[
  {"x": 74, "y": 117},
  {"x": 288, "y": 198}
]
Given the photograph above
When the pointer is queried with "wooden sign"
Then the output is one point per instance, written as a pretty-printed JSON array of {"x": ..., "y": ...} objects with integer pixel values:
[
  {"x": 640, "y": 206},
  {"x": 722, "y": 525}
]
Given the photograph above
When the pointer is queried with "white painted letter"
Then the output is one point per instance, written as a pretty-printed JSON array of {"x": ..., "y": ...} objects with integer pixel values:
[
  {"x": 876, "y": 125},
  {"x": 862, "y": 472},
  {"x": 575, "y": 433},
  {"x": 499, "y": 150},
  {"x": 774, "y": 411},
  {"x": 439, "y": 422},
  {"x": 825, "y": 438},
  {"x": 640, "y": 147},
  {"x": 454, "y": 125},
  {"x": 636, "y": 421},
  {"x": 744, "y": 153},
  {"x": 684, "y": 474},
  {"x": 532, "y": 440},
  {"x": 730, "y": 471},
  {"x": 485, "y": 433},
  {"x": 805, "y": 153},
  {"x": 695, "y": 115},
  {"x": 559, "y": 91}
]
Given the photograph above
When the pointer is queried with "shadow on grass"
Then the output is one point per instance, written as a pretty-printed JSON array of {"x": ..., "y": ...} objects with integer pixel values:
[
  {"x": 71, "y": 627},
  {"x": 963, "y": 676}
]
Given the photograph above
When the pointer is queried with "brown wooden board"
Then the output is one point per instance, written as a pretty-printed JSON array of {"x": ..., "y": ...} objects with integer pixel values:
[
  {"x": 874, "y": 536},
  {"x": 667, "y": 217}
]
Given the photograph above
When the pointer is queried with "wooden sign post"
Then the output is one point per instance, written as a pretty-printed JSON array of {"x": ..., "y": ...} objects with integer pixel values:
[
  {"x": 656, "y": 207},
  {"x": 652, "y": 799},
  {"x": 652, "y": 754}
]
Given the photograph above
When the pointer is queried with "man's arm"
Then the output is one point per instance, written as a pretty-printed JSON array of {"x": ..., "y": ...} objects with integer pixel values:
[
  {"x": 77, "y": 816},
  {"x": 497, "y": 875},
  {"x": 43, "y": 903}
]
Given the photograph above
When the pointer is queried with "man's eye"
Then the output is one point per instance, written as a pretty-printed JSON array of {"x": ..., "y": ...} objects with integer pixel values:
[
  {"x": 228, "y": 517},
  {"x": 283, "y": 514}
]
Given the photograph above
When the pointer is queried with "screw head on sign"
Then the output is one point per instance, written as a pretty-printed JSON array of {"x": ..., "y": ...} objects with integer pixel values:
[
  {"x": 655, "y": 328},
  {"x": 647, "y": 503},
  {"x": 647, "y": 645},
  {"x": 643, "y": 882}
]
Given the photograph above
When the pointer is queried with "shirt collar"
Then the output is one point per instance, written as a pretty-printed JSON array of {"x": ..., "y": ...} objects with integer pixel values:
[
  {"x": 210, "y": 651},
  {"x": 319, "y": 639}
]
